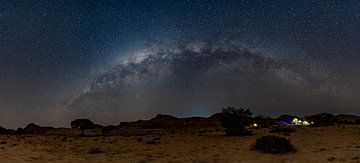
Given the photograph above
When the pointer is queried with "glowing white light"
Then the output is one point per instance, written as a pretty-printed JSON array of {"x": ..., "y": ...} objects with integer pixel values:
[{"x": 306, "y": 123}]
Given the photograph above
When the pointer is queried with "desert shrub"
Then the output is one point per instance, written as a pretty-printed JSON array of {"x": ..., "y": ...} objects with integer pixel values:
[
  {"x": 283, "y": 130},
  {"x": 3, "y": 130},
  {"x": 139, "y": 139},
  {"x": 331, "y": 159},
  {"x": 322, "y": 119},
  {"x": 273, "y": 144},
  {"x": 153, "y": 141},
  {"x": 357, "y": 121},
  {"x": 345, "y": 121},
  {"x": 96, "y": 151},
  {"x": 82, "y": 124},
  {"x": 6, "y": 131},
  {"x": 235, "y": 121},
  {"x": 64, "y": 139},
  {"x": 107, "y": 129}
]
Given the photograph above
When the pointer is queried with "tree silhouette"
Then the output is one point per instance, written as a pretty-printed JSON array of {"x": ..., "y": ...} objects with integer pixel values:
[
  {"x": 235, "y": 121},
  {"x": 357, "y": 121},
  {"x": 82, "y": 124},
  {"x": 322, "y": 119},
  {"x": 264, "y": 121},
  {"x": 107, "y": 129}
]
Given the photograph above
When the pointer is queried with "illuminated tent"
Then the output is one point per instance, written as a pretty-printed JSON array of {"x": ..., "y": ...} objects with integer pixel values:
[{"x": 291, "y": 120}]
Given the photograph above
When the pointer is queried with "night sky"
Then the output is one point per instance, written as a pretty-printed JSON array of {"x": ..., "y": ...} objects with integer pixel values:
[{"x": 114, "y": 61}]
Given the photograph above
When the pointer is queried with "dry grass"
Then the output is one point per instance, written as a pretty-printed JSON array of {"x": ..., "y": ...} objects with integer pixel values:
[{"x": 338, "y": 144}]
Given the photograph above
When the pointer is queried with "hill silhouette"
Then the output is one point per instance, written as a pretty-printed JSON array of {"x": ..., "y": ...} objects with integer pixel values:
[
  {"x": 168, "y": 121},
  {"x": 34, "y": 129}
]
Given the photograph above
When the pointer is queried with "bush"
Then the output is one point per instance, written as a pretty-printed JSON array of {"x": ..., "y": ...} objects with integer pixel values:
[
  {"x": 331, "y": 159},
  {"x": 139, "y": 139},
  {"x": 6, "y": 131},
  {"x": 235, "y": 121},
  {"x": 322, "y": 119},
  {"x": 95, "y": 151},
  {"x": 273, "y": 144},
  {"x": 154, "y": 141},
  {"x": 3, "y": 130},
  {"x": 357, "y": 121},
  {"x": 107, "y": 129}
]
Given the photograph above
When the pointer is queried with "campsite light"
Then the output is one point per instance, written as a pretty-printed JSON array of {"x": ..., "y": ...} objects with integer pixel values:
[
  {"x": 295, "y": 120},
  {"x": 255, "y": 125},
  {"x": 306, "y": 123}
]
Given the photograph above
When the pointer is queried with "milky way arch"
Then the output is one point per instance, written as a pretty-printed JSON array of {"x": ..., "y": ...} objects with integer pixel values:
[{"x": 198, "y": 80}]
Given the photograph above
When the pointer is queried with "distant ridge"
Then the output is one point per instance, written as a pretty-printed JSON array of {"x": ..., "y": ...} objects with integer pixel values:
[
  {"x": 168, "y": 121},
  {"x": 161, "y": 121},
  {"x": 344, "y": 118},
  {"x": 34, "y": 129}
]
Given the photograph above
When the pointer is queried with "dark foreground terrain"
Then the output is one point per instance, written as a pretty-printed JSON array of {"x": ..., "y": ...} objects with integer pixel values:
[{"x": 339, "y": 143}]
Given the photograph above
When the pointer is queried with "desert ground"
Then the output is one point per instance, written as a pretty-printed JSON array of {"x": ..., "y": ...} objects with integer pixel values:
[{"x": 324, "y": 144}]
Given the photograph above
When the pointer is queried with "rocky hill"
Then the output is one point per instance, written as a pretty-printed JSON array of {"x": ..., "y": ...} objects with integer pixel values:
[
  {"x": 34, "y": 129},
  {"x": 167, "y": 121}
]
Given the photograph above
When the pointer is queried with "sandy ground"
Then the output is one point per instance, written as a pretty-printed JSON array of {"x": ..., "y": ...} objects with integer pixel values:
[{"x": 337, "y": 143}]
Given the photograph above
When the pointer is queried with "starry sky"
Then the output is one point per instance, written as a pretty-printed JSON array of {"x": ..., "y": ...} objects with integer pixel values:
[{"x": 112, "y": 61}]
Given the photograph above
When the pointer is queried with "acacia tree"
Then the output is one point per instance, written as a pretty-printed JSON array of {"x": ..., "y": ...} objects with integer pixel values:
[
  {"x": 322, "y": 119},
  {"x": 235, "y": 121},
  {"x": 82, "y": 124}
]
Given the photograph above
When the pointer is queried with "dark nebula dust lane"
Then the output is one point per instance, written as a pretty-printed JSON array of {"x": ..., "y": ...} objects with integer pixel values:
[
  {"x": 113, "y": 61},
  {"x": 200, "y": 78}
]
